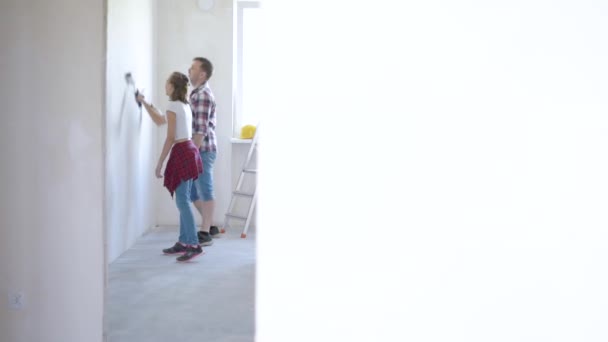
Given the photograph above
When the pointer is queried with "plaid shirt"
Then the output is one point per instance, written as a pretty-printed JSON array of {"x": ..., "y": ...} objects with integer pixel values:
[
  {"x": 184, "y": 163},
  {"x": 202, "y": 102}
]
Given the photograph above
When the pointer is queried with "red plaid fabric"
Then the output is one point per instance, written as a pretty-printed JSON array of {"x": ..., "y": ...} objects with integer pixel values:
[
  {"x": 184, "y": 163},
  {"x": 202, "y": 103}
]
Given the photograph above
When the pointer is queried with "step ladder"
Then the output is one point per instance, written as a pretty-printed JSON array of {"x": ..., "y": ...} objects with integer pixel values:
[{"x": 239, "y": 193}]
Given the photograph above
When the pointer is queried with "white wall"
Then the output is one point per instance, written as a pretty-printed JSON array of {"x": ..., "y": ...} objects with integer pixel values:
[
  {"x": 460, "y": 174},
  {"x": 130, "y": 136},
  {"x": 184, "y": 32},
  {"x": 52, "y": 71}
]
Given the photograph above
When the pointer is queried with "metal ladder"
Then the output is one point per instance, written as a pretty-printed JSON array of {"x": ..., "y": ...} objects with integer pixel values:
[{"x": 238, "y": 193}]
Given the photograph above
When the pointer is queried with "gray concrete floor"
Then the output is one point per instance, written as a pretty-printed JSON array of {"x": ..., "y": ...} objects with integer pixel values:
[{"x": 152, "y": 298}]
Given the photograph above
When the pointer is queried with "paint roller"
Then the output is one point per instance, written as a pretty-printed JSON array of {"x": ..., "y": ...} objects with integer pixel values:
[{"x": 131, "y": 82}]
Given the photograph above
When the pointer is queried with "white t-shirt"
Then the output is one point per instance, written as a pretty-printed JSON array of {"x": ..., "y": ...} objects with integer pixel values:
[{"x": 183, "y": 119}]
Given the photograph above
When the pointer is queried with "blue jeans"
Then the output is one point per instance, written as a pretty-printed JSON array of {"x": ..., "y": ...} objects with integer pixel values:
[
  {"x": 203, "y": 185},
  {"x": 187, "y": 227}
]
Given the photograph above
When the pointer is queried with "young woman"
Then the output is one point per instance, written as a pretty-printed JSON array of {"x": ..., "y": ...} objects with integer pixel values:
[{"x": 184, "y": 165}]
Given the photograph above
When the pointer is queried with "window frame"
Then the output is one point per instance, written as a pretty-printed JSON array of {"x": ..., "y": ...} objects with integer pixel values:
[{"x": 239, "y": 8}]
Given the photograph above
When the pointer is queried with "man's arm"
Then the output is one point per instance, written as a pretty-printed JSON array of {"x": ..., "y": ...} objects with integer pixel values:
[
  {"x": 201, "y": 106},
  {"x": 198, "y": 140}
]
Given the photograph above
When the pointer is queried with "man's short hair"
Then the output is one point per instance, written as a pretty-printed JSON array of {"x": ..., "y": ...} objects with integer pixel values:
[{"x": 205, "y": 65}]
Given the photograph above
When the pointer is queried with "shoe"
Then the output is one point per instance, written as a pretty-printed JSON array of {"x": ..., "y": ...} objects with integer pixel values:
[
  {"x": 191, "y": 253},
  {"x": 204, "y": 239},
  {"x": 176, "y": 249},
  {"x": 214, "y": 230}
]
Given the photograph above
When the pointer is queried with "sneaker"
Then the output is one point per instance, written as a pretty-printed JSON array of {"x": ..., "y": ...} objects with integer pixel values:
[
  {"x": 204, "y": 239},
  {"x": 191, "y": 253},
  {"x": 176, "y": 249},
  {"x": 214, "y": 230}
]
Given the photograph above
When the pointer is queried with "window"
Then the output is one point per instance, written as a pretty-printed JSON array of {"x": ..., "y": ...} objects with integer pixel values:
[{"x": 248, "y": 70}]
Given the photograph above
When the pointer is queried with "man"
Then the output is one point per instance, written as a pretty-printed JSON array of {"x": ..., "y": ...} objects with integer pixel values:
[{"x": 202, "y": 103}]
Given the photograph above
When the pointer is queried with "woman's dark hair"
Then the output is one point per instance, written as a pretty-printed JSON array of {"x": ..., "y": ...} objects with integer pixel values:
[{"x": 179, "y": 82}]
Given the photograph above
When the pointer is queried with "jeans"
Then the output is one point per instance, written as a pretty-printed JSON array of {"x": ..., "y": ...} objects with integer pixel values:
[
  {"x": 187, "y": 227},
  {"x": 202, "y": 188}
]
